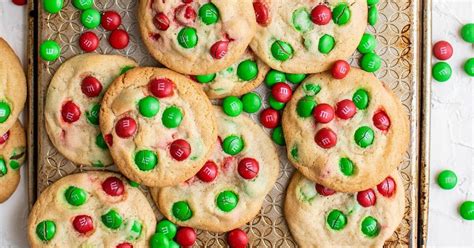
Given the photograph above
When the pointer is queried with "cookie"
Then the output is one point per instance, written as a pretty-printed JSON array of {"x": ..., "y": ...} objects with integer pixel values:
[
  {"x": 12, "y": 87},
  {"x": 236, "y": 80},
  {"x": 12, "y": 156},
  {"x": 333, "y": 219},
  {"x": 159, "y": 126},
  {"x": 73, "y": 103},
  {"x": 91, "y": 209},
  {"x": 346, "y": 134},
  {"x": 307, "y": 36},
  {"x": 230, "y": 188},
  {"x": 196, "y": 37}
]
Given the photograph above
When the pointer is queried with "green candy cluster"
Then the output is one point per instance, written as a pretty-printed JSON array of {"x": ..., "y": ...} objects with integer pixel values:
[
  {"x": 249, "y": 103},
  {"x": 164, "y": 235}
]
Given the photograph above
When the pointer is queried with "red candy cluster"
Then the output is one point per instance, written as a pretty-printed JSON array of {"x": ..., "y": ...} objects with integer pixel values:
[
  {"x": 281, "y": 92},
  {"x": 247, "y": 168}
]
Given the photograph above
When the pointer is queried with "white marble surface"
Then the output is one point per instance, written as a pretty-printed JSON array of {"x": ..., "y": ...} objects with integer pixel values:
[{"x": 451, "y": 126}]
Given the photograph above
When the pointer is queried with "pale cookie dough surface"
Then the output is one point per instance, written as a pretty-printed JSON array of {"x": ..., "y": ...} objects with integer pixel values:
[
  {"x": 307, "y": 213},
  {"x": 370, "y": 164},
  {"x": 53, "y": 206},
  {"x": 77, "y": 140},
  {"x": 235, "y": 25},
  {"x": 306, "y": 57},
  {"x": 12, "y": 156},
  {"x": 197, "y": 127},
  {"x": 12, "y": 87},
  {"x": 201, "y": 196},
  {"x": 228, "y": 83}
]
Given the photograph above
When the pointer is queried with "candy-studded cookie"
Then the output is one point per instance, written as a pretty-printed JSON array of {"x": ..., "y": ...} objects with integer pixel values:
[
  {"x": 307, "y": 36},
  {"x": 346, "y": 134},
  {"x": 92, "y": 209},
  {"x": 73, "y": 104},
  {"x": 363, "y": 219},
  {"x": 12, "y": 87},
  {"x": 196, "y": 37},
  {"x": 230, "y": 188},
  {"x": 159, "y": 126},
  {"x": 236, "y": 80},
  {"x": 12, "y": 156}
]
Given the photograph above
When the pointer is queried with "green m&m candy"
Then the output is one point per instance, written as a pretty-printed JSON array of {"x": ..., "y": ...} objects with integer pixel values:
[
  {"x": 149, "y": 106},
  {"x": 100, "y": 142},
  {"x": 251, "y": 102},
  {"x": 146, "y": 160},
  {"x": 467, "y": 32},
  {"x": 50, "y": 50},
  {"x": 182, "y": 211},
  {"x": 167, "y": 228},
  {"x": 5, "y": 112},
  {"x": 247, "y": 70},
  {"x": 370, "y": 227},
  {"x": 53, "y": 6},
  {"x": 367, "y": 43},
  {"x": 232, "y": 106},
  {"x": 277, "y": 136},
  {"x": 361, "y": 99},
  {"x": 159, "y": 240},
  {"x": 372, "y": 15},
  {"x": 126, "y": 68},
  {"x": 336, "y": 220},
  {"x": 364, "y": 136},
  {"x": 372, "y": 2},
  {"x": 172, "y": 117},
  {"x": 83, "y": 4},
  {"x": 469, "y": 67},
  {"x": 14, "y": 164},
  {"x": 232, "y": 145},
  {"x": 187, "y": 37},
  {"x": 370, "y": 62},
  {"x": 341, "y": 14},
  {"x": 134, "y": 230},
  {"x": 274, "y": 104},
  {"x": 90, "y": 18},
  {"x": 112, "y": 219},
  {"x": 305, "y": 106},
  {"x": 173, "y": 244},
  {"x": 206, "y": 78},
  {"x": 3, "y": 168},
  {"x": 75, "y": 196},
  {"x": 93, "y": 114},
  {"x": 227, "y": 200},
  {"x": 466, "y": 210},
  {"x": 302, "y": 20},
  {"x": 295, "y": 78},
  {"x": 311, "y": 89},
  {"x": 273, "y": 77},
  {"x": 209, "y": 13},
  {"x": 281, "y": 50},
  {"x": 441, "y": 71},
  {"x": 447, "y": 179},
  {"x": 346, "y": 166},
  {"x": 46, "y": 230},
  {"x": 326, "y": 44},
  {"x": 133, "y": 184}
]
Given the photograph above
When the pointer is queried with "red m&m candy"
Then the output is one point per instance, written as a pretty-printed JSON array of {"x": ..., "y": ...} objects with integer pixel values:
[
  {"x": 161, "y": 21},
  {"x": 381, "y": 120},
  {"x": 126, "y": 127},
  {"x": 248, "y": 168},
  {"x": 324, "y": 191},
  {"x": 219, "y": 49},
  {"x": 323, "y": 113},
  {"x": 109, "y": 139},
  {"x": 321, "y": 14},
  {"x": 119, "y": 39},
  {"x": 208, "y": 172},
  {"x": 325, "y": 138},
  {"x": 237, "y": 239},
  {"x": 387, "y": 187},
  {"x": 4, "y": 137},
  {"x": 113, "y": 186},
  {"x": 281, "y": 92},
  {"x": 345, "y": 109},
  {"x": 186, "y": 236},
  {"x": 340, "y": 69},
  {"x": 19, "y": 2},
  {"x": 70, "y": 112},
  {"x": 110, "y": 20},
  {"x": 366, "y": 198},
  {"x": 269, "y": 118},
  {"x": 261, "y": 13},
  {"x": 83, "y": 224},
  {"x": 442, "y": 50},
  {"x": 91, "y": 86},
  {"x": 161, "y": 87},
  {"x": 185, "y": 14},
  {"x": 180, "y": 149},
  {"x": 88, "y": 41},
  {"x": 124, "y": 245}
]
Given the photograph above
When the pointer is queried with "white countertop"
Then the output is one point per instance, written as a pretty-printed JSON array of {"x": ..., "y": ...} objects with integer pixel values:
[{"x": 452, "y": 143}]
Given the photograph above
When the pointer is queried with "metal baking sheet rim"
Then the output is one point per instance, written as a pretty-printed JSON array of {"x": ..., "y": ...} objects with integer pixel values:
[{"x": 423, "y": 71}]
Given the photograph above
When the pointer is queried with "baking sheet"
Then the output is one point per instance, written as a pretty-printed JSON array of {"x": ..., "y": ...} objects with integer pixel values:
[{"x": 400, "y": 31}]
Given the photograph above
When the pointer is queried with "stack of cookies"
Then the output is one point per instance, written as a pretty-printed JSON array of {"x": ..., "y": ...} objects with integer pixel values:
[
  {"x": 12, "y": 134},
  {"x": 209, "y": 169}
]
